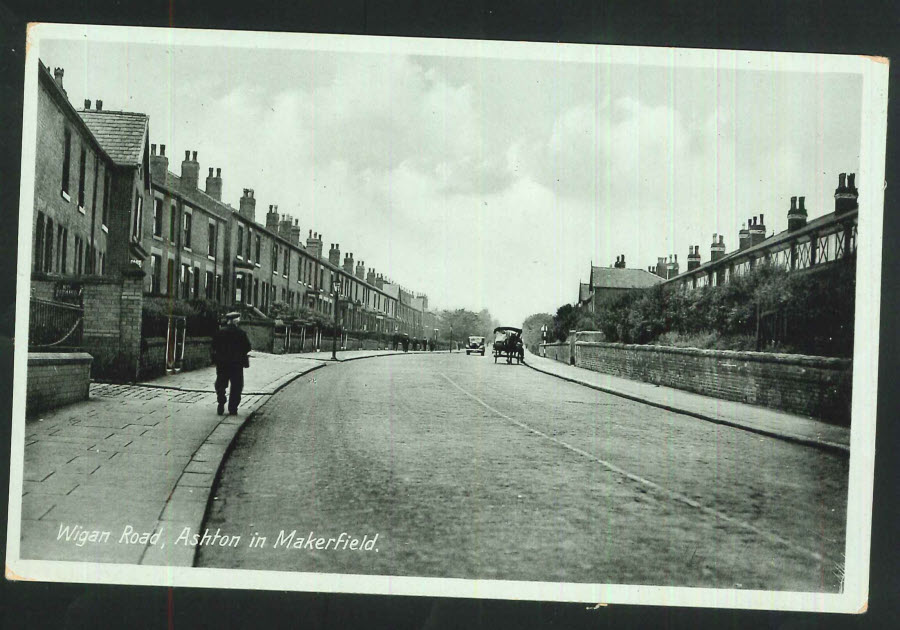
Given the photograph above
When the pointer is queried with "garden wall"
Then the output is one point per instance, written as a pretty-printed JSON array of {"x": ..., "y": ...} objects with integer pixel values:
[
  {"x": 153, "y": 355},
  {"x": 814, "y": 386},
  {"x": 56, "y": 379}
]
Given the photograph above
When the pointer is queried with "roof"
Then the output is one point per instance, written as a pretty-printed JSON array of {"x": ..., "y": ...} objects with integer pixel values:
[
  {"x": 121, "y": 134},
  {"x": 773, "y": 242},
  {"x": 613, "y": 278}
]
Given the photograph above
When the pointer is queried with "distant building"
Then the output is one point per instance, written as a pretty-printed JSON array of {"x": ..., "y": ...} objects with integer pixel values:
[{"x": 605, "y": 282}]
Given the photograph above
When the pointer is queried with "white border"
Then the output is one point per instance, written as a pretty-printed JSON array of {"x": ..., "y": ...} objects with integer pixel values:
[{"x": 874, "y": 72}]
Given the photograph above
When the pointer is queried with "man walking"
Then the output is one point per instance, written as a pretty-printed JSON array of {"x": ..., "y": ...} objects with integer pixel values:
[{"x": 230, "y": 347}]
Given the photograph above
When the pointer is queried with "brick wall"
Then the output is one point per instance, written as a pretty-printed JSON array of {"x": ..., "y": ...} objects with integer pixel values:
[
  {"x": 112, "y": 324},
  {"x": 813, "y": 386},
  {"x": 56, "y": 379},
  {"x": 153, "y": 355}
]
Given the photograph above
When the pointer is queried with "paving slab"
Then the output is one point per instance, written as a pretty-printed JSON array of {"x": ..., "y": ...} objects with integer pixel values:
[
  {"x": 771, "y": 422},
  {"x": 140, "y": 456}
]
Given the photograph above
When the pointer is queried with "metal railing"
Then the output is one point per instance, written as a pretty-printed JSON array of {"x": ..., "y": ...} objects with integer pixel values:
[{"x": 53, "y": 325}]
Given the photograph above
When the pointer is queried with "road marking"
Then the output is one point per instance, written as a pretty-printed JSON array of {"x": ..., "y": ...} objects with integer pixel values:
[{"x": 771, "y": 537}]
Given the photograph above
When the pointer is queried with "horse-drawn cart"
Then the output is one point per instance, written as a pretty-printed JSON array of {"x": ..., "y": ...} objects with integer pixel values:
[{"x": 508, "y": 343}]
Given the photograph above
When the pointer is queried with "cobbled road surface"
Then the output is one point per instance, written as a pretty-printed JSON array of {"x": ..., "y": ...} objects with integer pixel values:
[{"x": 469, "y": 469}]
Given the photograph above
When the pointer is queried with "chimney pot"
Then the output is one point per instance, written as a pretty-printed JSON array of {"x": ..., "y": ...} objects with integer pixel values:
[
  {"x": 841, "y": 180},
  {"x": 152, "y": 149},
  {"x": 99, "y": 105},
  {"x": 210, "y": 171},
  {"x": 761, "y": 217},
  {"x": 87, "y": 103},
  {"x": 187, "y": 156},
  {"x": 851, "y": 180},
  {"x": 194, "y": 157},
  {"x": 218, "y": 172},
  {"x": 162, "y": 147},
  {"x": 721, "y": 240}
]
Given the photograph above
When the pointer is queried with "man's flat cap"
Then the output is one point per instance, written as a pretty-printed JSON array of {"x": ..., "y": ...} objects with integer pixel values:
[{"x": 232, "y": 315}]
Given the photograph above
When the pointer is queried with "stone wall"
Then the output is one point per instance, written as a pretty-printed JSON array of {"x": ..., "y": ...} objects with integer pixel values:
[
  {"x": 153, "y": 355},
  {"x": 558, "y": 351},
  {"x": 55, "y": 379},
  {"x": 812, "y": 386}
]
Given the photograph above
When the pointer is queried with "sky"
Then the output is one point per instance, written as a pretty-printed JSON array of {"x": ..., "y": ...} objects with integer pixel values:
[{"x": 483, "y": 182}]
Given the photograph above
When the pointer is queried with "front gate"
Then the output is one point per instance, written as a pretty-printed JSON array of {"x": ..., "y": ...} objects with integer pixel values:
[{"x": 175, "y": 338}]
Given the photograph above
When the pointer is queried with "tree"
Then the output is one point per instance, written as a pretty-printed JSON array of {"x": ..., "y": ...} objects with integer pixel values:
[{"x": 531, "y": 330}]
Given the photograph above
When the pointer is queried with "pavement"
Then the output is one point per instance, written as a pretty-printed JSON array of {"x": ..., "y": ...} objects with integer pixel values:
[
  {"x": 138, "y": 459},
  {"x": 762, "y": 420}
]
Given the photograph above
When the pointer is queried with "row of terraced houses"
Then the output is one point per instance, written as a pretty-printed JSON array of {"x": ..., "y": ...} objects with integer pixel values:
[{"x": 106, "y": 202}]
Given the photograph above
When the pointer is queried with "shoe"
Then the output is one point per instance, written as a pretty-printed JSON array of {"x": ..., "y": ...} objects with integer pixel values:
[
  {"x": 232, "y": 412},
  {"x": 220, "y": 410}
]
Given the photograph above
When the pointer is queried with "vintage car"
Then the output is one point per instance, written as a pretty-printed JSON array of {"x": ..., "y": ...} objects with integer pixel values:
[
  {"x": 508, "y": 343},
  {"x": 476, "y": 345}
]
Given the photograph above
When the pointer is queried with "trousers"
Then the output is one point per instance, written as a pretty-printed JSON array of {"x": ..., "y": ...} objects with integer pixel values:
[{"x": 232, "y": 373}]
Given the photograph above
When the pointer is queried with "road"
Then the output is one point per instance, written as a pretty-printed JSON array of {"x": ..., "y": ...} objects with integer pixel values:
[{"x": 465, "y": 468}]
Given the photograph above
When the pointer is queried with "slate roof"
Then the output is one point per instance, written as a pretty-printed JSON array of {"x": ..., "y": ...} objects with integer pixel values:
[
  {"x": 612, "y": 278},
  {"x": 121, "y": 134}
]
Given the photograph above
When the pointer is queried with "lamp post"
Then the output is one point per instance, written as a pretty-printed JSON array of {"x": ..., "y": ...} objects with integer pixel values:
[
  {"x": 451, "y": 338},
  {"x": 335, "y": 287}
]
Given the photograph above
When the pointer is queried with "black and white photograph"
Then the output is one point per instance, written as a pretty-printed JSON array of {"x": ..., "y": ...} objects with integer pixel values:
[{"x": 480, "y": 319}]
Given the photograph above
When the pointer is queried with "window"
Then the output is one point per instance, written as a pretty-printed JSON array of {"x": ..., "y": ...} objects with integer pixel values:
[
  {"x": 155, "y": 271},
  {"x": 213, "y": 239},
  {"x": 170, "y": 277},
  {"x": 138, "y": 218},
  {"x": 186, "y": 237},
  {"x": 287, "y": 259},
  {"x": 157, "y": 217},
  {"x": 61, "y": 242},
  {"x": 247, "y": 254},
  {"x": 218, "y": 288},
  {"x": 78, "y": 263},
  {"x": 66, "y": 159},
  {"x": 274, "y": 258},
  {"x": 81, "y": 167},
  {"x": 102, "y": 263},
  {"x": 210, "y": 285},
  {"x": 107, "y": 187},
  {"x": 240, "y": 241},
  {"x": 185, "y": 281},
  {"x": 238, "y": 287},
  {"x": 256, "y": 291},
  {"x": 39, "y": 243},
  {"x": 258, "y": 249},
  {"x": 300, "y": 263},
  {"x": 173, "y": 215},
  {"x": 196, "y": 282}
]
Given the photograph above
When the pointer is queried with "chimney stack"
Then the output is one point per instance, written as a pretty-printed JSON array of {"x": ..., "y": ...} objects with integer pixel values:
[
  {"x": 190, "y": 172},
  {"x": 379, "y": 281},
  {"x": 757, "y": 231},
  {"x": 846, "y": 197},
  {"x": 99, "y": 105},
  {"x": 295, "y": 233},
  {"x": 214, "y": 184},
  {"x": 370, "y": 277},
  {"x": 58, "y": 76},
  {"x": 247, "y": 206},
  {"x": 693, "y": 257},
  {"x": 272, "y": 219},
  {"x": 314, "y": 244},
  {"x": 159, "y": 163},
  {"x": 334, "y": 254},
  {"x": 87, "y": 103},
  {"x": 661, "y": 266},
  {"x": 348, "y": 263},
  {"x": 717, "y": 249},
  {"x": 744, "y": 235},
  {"x": 361, "y": 270},
  {"x": 672, "y": 267},
  {"x": 284, "y": 227}
]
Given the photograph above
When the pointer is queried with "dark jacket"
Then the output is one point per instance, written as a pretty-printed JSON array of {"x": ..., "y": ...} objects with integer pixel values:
[{"x": 230, "y": 346}]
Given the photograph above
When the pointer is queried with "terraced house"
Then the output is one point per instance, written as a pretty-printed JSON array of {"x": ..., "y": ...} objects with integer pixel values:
[{"x": 91, "y": 182}]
